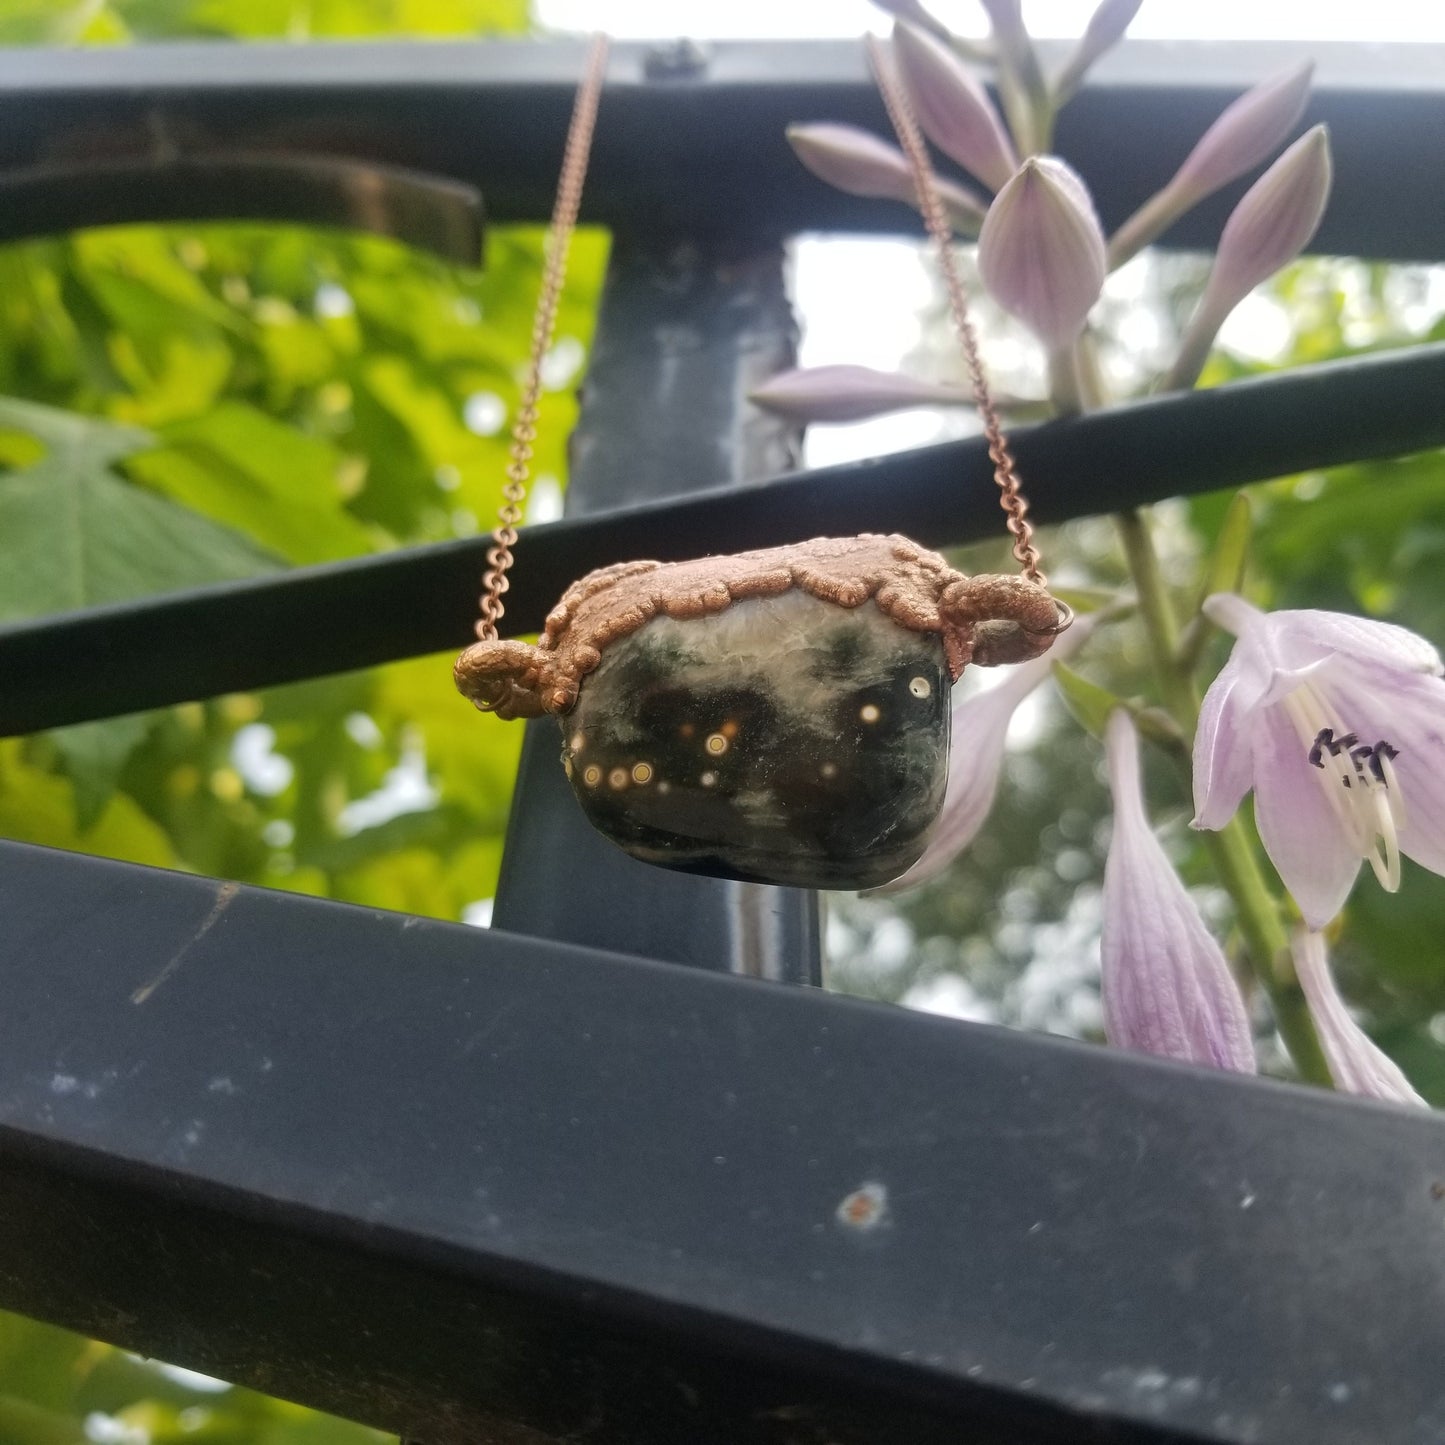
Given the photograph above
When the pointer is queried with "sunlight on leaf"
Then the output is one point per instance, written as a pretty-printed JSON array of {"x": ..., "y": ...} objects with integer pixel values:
[{"x": 77, "y": 535}]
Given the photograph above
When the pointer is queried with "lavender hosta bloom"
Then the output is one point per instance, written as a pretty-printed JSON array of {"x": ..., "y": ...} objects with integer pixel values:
[
  {"x": 1248, "y": 132},
  {"x": 1356, "y": 1063},
  {"x": 1270, "y": 226},
  {"x": 849, "y": 393},
  {"x": 1041, "y": 250},
  {"x": 1166, "y": 986},
  {"x": 975, "y": 764},
  {"x": 858, "y": 162},
  {"x": 979, "y": 727},
  {"x": 953, "y": 108},
  {"x": 1338, "y": 724}
]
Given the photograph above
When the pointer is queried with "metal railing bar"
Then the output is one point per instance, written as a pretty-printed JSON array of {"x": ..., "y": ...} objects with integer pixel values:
[
  {"x": 472, "y": 1186},
  {"x": 493, "y": 114},
  {"x": 292, "y": 625}
]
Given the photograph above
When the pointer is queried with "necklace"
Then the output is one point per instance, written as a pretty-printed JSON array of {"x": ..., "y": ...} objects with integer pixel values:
[{"x": 778, "y": 716}]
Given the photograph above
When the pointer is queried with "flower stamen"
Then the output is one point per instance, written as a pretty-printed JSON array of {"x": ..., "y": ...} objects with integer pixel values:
[{"x": 1358, "y": 779}]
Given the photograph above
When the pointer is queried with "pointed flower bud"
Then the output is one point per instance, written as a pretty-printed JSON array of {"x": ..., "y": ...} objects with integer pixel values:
[
  {"x": 860, "y": 163},
  {"x": 1248, "y": 131},
  {"x": 1041, "y": 250},
  {"x": 1356, "y": 1063},
  {"x": 953, "y": 108},
  {"x": 1274, "y": 220},
  {"x": 1166, "y": 986},
  {"x": 1270, "y": 226},
  {"x": 849, "y": 393},
  {"x": 1105, "y": 30}
]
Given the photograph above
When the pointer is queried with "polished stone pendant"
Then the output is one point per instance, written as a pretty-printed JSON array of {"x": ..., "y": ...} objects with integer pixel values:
[
  {"x": 784, "y": 740},
  {"x": 777, "y": 716}
]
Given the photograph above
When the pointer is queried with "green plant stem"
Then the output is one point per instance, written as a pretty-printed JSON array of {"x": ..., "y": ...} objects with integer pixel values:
[{"x": 1266, "y": 943}]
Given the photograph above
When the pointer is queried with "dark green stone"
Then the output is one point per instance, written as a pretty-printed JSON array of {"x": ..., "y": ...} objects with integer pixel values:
[{"x": 784, "y": 740}]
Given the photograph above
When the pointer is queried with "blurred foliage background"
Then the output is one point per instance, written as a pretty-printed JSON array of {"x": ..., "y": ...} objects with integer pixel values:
[{"x": 184, "y": 404}]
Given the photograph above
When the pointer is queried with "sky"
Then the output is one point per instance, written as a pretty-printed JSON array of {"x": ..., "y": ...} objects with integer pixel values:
[{"x": 1380, "y": 20}]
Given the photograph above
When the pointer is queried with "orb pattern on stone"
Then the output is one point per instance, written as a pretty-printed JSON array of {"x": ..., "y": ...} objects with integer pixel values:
[{"x": 782, "y": 740}]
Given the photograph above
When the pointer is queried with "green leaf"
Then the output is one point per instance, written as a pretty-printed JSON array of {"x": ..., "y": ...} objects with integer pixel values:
[
  {"x": 1231, "y": 548},
  {"x": 1087, "y": 701},
  {"x": 1086, "y": 599},
  {"x": 276, "y": 484},
  {"x": 92, "y": 755},
  {"x": 22, "y": 1423},
  {"x": 37, "y": 807},
  {"x": 74, "y": 534}
]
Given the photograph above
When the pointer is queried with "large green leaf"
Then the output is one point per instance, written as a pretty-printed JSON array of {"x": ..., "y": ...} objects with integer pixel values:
[
  {"x": 268, "y": 480},
  {"x": 73, "y": 533}
]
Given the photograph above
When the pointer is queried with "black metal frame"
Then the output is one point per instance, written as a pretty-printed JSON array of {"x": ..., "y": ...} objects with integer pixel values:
[
  {"x": 495, "y": 1186},
  {"x": 332, "y": 618},
  {"x": 690, "y": 150}
]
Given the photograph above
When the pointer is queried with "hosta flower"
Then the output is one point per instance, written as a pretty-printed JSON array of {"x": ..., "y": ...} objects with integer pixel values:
[
  {"x": 975, "y": 762},
  {"x": 1338, "y": 724},
  {"x": 1041, "y": 250},
  {"x": 1356, "y": 1063},
  {"x": 952, "y": 107},
  {"x": 1166, "y": 986}
]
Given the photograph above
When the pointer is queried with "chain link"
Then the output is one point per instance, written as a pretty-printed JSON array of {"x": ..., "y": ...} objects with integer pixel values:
[
  {"x": 1011, "y": 497},
  {"x": 554, "y": 274}
]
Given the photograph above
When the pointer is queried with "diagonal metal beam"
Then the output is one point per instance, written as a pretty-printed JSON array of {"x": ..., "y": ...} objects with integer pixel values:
[
  {"x": 425, "y": 211},
  {"x": 309, "y": 621},
  {"x": 479, "y": 1188}
]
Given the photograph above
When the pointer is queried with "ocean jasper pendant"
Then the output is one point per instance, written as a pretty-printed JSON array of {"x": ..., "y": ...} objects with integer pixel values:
[
  {"x": 777, "y": 716},
  {"x": 783, "y": 740}
]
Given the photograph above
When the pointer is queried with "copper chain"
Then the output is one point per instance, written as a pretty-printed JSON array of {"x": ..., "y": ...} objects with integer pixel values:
[
  {"x": 1011, "y": 497},
  {"x": 554, "y": 273}
]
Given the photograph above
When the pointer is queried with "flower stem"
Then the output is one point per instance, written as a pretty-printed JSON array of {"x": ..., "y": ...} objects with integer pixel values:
[{"x": 1265, "y": 939}]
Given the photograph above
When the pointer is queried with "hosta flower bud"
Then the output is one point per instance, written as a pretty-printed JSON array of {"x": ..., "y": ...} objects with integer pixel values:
[
  {"x": 1248, "y": 131},
  {"x": 1041, "y": 250},
  {"x": 860, "y": 163},
  {"x": 1275, "y": 219},
  {"x": 1105, "y": 30},
  {"x": 1356, "y": 1063},
  {"x": 952, "y": 107},
  {"x": 849, "y": 393},
  {"x": 1166, "y": 986},
  {"x": 1270, "y": 226}
]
